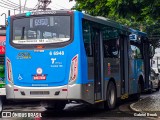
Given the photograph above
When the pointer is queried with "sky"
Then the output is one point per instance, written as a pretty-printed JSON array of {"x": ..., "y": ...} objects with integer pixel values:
[{"x": 55, "y": 5}]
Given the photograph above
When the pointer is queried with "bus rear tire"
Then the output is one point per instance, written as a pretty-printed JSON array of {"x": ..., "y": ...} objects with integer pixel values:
[
  {"x": 157, "y": 89},
  {"x": 151, "y": 89},
  {"x": 139, "y": 90},
  {"x": 111, "y": 100},
  {"x": 56, "y": 106}
]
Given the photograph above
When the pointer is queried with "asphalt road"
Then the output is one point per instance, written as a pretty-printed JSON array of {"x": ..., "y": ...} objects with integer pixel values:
[{"x": 75, "y": 111}]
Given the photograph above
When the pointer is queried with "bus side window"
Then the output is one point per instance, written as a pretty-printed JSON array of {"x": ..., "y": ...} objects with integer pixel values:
[
  {"x": 87, "y": 37},
  {"x": 111, "y": 50},
  {"x": 110, "y": 43},
  {"x": 136, "y": 53}
]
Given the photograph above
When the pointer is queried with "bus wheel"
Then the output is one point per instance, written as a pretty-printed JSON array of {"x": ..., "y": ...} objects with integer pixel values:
[
  {"x": 56, "y": 106},
  {"x": 110, "y": 102},
  {"x": 157, "y": 89},
  {"x": 151, "y": 89},
  {"x": 60, "y": 105},
  {"x": 138, "y": 94}
]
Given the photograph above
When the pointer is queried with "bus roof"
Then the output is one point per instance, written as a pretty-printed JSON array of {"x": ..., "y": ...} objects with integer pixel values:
[
  {"x": 47, "y": 12},
  {"x": 139, "y": 33}
]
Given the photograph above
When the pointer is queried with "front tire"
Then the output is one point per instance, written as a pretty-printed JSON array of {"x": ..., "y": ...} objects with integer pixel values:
[
  {"x": 138, "y": 94},
  {"x": 111, "y": 100},
  {"x": 151, "y": 89},
  {"x": 157, "y": 89}
]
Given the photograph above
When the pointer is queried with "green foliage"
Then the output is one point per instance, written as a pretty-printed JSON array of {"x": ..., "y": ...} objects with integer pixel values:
[
  {"x": 138, "y": 14},
  {"x": 130, "y": 11}
]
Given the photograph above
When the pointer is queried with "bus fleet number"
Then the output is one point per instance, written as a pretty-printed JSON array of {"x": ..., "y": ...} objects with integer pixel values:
[{"x": 58, "y": 52}]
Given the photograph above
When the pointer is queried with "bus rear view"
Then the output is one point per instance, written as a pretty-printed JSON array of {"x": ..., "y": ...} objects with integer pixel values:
[{"x": 40, "y": 60}]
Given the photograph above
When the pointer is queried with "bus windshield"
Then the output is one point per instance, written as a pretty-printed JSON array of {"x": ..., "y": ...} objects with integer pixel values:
[{"x": 41, "y": 30}]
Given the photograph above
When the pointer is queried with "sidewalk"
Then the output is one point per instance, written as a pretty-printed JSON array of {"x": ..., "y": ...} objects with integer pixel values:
[{"x": 149, "y": 104}]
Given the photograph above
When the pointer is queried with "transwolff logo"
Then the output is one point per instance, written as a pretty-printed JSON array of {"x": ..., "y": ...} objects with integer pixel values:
[
  {"x": 53, "y": 60},
  {"x": 24, "y": 55}
]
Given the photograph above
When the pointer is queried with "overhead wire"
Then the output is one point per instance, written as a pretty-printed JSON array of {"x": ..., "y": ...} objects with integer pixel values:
[
  {"x": 15, "y": 4},
  {"x": 61, "y": 6},
  {"x": 7, "y": 7},
  {"x": 7, "y": 4},
  {"x": 53, "y": 7},
  {"x": 11, "y": 6}
]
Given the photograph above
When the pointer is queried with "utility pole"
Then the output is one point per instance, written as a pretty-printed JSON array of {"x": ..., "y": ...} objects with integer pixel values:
[
  {"x": 25, "y": 5},
  {"x": 19, "y": 6},
  {"x": 43, "y": 4},
  {"x": 9, "y": 12}
]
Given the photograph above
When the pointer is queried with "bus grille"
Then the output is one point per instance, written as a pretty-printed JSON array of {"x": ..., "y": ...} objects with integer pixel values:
[
  {"x": 2, "y": 59},
  {"x": 39, "y": 92}
]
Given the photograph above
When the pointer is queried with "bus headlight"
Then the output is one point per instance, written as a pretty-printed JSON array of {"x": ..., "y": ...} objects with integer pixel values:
[{"x": 73, "y": 69}]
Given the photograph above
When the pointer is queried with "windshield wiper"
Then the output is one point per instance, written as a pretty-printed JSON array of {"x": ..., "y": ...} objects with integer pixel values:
[{"x": 22, "y": 36}]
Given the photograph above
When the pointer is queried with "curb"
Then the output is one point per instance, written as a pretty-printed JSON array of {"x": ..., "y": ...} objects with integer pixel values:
[
  {"x": 134, "y": 109},
  {"x": 140, "y": 111}
]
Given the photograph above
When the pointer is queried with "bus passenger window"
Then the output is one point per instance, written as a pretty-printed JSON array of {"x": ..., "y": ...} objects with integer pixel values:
[
  {"x": 136, "y": 53},
  {"x": 110, "y": 42},
  {"x": 111, "y": 49}
]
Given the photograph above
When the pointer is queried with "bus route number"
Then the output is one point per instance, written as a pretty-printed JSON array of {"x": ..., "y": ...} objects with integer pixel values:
[
  {"x": 41, "y": 22},
  {"x": 58, "y": 53}
]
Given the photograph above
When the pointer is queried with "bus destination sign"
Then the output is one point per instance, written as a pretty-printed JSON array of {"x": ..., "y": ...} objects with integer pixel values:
[{"x": 41, "y": 22}]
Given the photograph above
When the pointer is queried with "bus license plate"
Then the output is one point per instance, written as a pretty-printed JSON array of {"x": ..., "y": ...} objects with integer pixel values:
[{"x": 39, "y": 77}]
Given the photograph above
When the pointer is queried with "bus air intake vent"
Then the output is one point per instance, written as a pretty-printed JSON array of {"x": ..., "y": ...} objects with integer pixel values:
[{"x": 39, "y": 92}]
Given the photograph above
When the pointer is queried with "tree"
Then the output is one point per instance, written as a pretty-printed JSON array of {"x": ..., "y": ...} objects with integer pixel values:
[
  {"x": 138, "y": 14},
  {"x": 142, "y": 11}
]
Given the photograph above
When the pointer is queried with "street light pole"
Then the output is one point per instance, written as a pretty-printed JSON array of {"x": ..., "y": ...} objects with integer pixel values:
[
  {"x": 5, "y": 17},
  {"x": 20, "y": 6}
]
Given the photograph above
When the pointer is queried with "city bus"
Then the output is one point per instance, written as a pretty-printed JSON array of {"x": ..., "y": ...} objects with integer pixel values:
[
  {"x": 64, "y": 56},
  {"x": 2, "y": 54},
  {"x": 144, "y": 51},
  {"x": 2, "y": 65}
]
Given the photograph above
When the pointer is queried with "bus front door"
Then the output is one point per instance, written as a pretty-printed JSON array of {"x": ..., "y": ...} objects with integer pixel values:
[
  {"x": 124, "y": 66},
  {"x": 97, "y": 64}
]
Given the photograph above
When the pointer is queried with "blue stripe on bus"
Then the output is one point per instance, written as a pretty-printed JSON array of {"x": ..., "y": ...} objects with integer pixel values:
[
  {"x": 106, "y": 78},
  {"x": 90, "y": 80}
]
